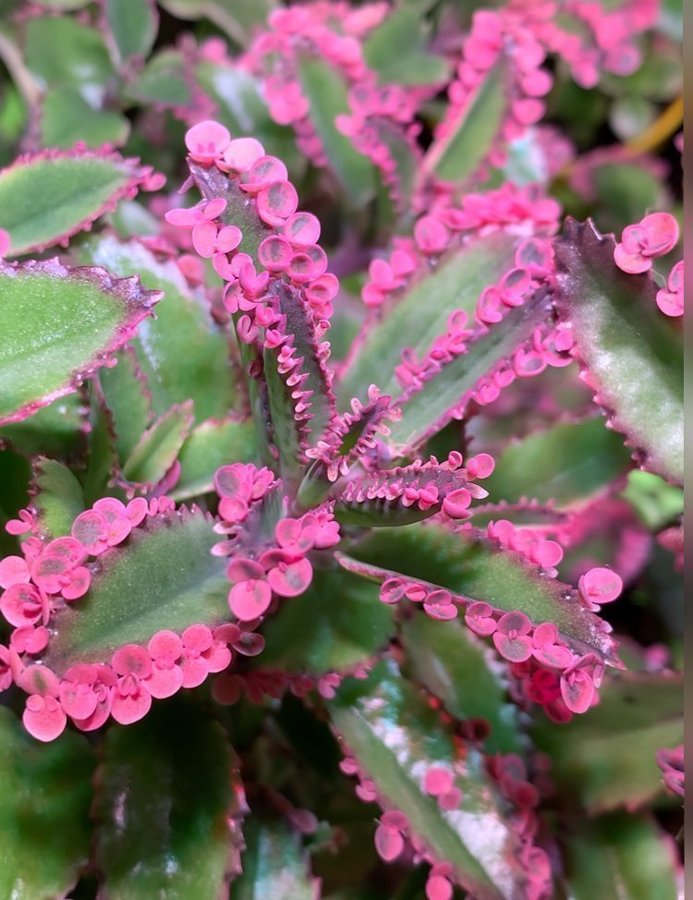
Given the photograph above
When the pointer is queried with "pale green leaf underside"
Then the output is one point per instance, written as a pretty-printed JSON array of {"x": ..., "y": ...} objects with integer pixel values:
[{"x": 274, "y": 865}]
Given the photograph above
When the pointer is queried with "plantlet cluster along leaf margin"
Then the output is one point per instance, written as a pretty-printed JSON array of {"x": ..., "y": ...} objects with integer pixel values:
[{"x": 331, "y": 416}]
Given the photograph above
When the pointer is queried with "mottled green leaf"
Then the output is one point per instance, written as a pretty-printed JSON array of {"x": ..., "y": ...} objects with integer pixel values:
[
  {"x": 45, "y": 794},
  {"x": 459, "y": 669},
  {"x": 606, "y": 758},
  {"x": 396, "y": 49},
  {"x": 633, "y": 354},
  {"x": 163, "y": 81},
  {"x": 59, "y": 50},
  {"x": 54, "y": 430},
  {"x": 165, "y": 794},
  {"x": 66, "y": 118},
  {"x": 163, "y": 577},
  {"x": 58, "y": 326},
  {"x": 337, "y": 623},
  {"x": 391, "y": 730},
  {"x": 274, "y": 865}
]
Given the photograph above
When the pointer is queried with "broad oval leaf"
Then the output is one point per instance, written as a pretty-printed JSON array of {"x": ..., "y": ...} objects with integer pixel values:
[
  {"x": 478, "y": 569},
  {"x": 165, "y": 807},
  {"x": 607, "y": 759},
  {"x": 335, "y": 625},
  {"x": 45, "y": 795},
  {"x": 397, "y": 51},
  {"x": 130, "y": 27},
  {"x": 58, "y": 326},
  {"x": 163, "y": 577},
  {"x": 181, "y": 351},
  {"x": 395, "y": 736},
  {"x": 48, "y": 197},
  {"x": 565, "y": 463},
  {"x": 632, "y": 356},
  {"x": 274, "y": 865},
  {"x": 459, "y": 669},
  {"x": 57, "y": 497}
]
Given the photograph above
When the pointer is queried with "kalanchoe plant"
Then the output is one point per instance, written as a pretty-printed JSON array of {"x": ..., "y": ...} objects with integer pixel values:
[{"x": 332, "y": 414}]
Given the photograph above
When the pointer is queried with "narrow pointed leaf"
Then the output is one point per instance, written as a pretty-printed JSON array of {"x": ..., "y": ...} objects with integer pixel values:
[
  {"x": 564, "y": 463},
  {"x": 58, "y": 497},
  {"x": 211, "y": 445},
  {"x": 274, "y": 865},
  {"x": 622, "y": 855},
  {"x": 607, "y": 759},
  {"x": 55, "y": 430},
  {"x": 128, "y": 399},
  {"x": 163, "y": 577},
  {"x": 478, "y": 569},
  {"x": 67, "y": 322},
  {"x": 48, "y": 197},
  {"x": 335, "y": 625},
  {"x": 455, "y": 666},
  {"x": 458, "y": 155},
  {"x": 163, "y": 806},
  {"x": 327, "y": 94},
  {"x": 397, "y": 51},
  {"x": 631, "y": 354},
  {"x": 159, "y": 446},
  {"x": 422, "y": 313},
  {"x": 45, "y": 794},
  {"x": 395, "y": 736}
]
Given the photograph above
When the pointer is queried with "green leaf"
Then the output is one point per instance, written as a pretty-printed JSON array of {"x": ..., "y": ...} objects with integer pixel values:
[
  {"x": 327, "y": 94},
  {"x": 391, "y": 730},
  {"x": 274, "y": 865},
  {"x": 450, "y": 662},
  {"x": 61, "y": 51},
  {"x": 606, "y": 759},
  {"x": 58, "y": 497},
  {"x": 237, "y": 18},
  {"x": 131, "y": 26},
  {"x": 625, "y": 192},
  {"x": 568, "y": 462},
  {"x": 67, "y": 323},
  {"x": 476, "y": 568},
  {"x": 621, "y": 855},
  {"x": 656, "y": 502},
  {"x": 54, "y": 430},
  {"x": 45, "y": 793},
  {"x": 165, "y": 794},
  {"x": 396, "y": 49},
  {"x": 127, "y": 397},
  {"x": 66, "y": 118},
  {"x": 336, "y": 624},
  {"x": 163, "y": 577},
  {"x": 458, "y": 155},
  {"x": 181, "y": 352},
  {"x": 211, "y": 445},
  {"x": 163, "y": 82},
  {"x": 159, "y": 446},
  {"x": 421, "y": 315},
  {"x": 47, "y": 198},
  {"x": 428, "y": 410},
  {"x": 633, "y": 355}
]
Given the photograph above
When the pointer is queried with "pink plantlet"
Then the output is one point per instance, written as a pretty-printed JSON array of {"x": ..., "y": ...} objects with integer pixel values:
[
  {"x": 131, "y": 699},
  {"x": 511, "y": 637},
  {"x": 207, "y": 141},
  {"x": 599, "y": 586},
  {"x": 479, "y": 618},
  {"x": 671, "y": 300},
  {"x": 655, "y": 235}
]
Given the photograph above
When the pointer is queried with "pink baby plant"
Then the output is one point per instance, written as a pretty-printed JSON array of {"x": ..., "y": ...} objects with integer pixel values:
[{"x": 340, "y": 465}]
